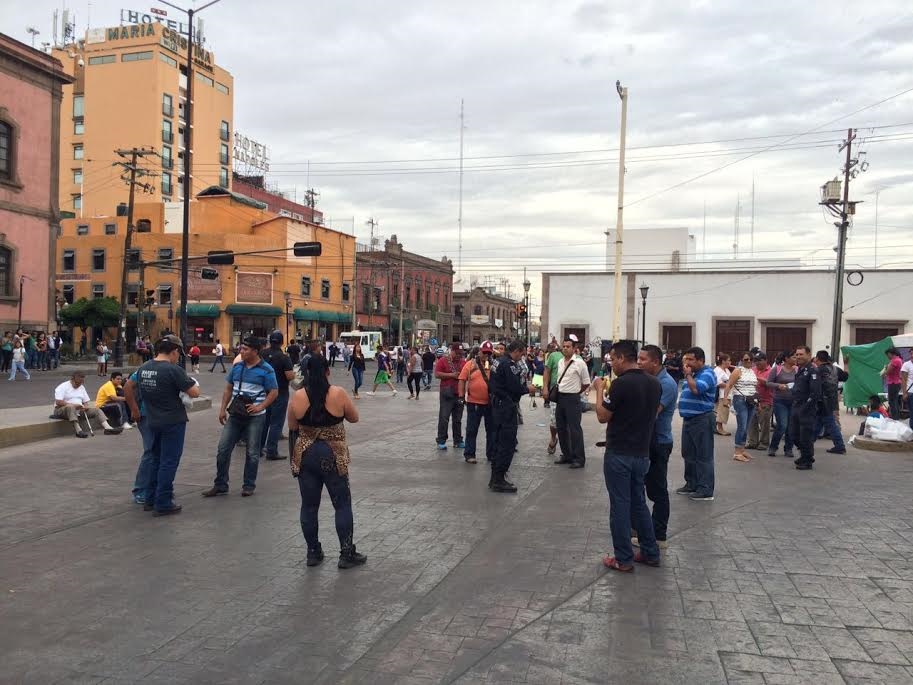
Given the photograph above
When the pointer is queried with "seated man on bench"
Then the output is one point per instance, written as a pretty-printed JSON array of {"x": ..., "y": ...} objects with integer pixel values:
[
  {"x": 71, "y": 402},
  {"x": 111, "y": 401}
]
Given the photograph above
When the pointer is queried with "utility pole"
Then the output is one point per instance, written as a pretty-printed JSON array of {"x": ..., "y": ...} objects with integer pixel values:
[
  {"x": 134, "y": 171},
  {"x": 619, "y": 221},
  {"x": 402, "y": 299},
  {"x": 843, "y": 209},
  {"x": 460, "y": 213}
]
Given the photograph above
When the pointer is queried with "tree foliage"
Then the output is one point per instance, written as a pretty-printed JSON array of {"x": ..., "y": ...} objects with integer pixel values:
[{"x": 101, "y": 312}]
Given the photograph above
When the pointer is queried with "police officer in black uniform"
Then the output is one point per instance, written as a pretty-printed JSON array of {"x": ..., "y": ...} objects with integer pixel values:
[
  {"x": 507, "y": 389},
  {"x": 806, "y": 400}
]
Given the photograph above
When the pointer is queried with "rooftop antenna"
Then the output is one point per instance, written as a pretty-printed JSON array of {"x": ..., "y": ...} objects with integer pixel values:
[
  {"x": 460, "y": 214},
  {"x": 34, "y": 32}
]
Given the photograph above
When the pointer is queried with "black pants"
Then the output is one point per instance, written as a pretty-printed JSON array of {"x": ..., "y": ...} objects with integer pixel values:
[
  {"x": 318, "y": 468},
  {"x": 7, "y": 360},
  {"x": 504, "y": 418},
  {"x": 450, "y": 410},
  {"x": 476, "y": 414},
  {"x": 802, "y": 422},
  {"x": 116, "y": 413},
  {"x": 657, "y": 486},
  {"x": 415, "y": 379},
  {"x": 894, "y": 401},
  {"x": 570, "y": 432},
  {"x": 332, "y": 360}
]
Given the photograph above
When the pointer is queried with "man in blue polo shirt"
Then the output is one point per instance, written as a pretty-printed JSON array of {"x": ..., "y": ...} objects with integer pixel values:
[
  {"x": 650, "y": 360},
  {"x": 696, "y": 409},
  {"x": 251, "y": 387}
]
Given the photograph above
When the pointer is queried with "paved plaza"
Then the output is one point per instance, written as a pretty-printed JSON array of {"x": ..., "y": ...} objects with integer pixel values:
[{"x": 787, "y": 577}]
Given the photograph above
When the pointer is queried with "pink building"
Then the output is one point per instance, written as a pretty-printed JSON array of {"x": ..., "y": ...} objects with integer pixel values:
[{"x": 30, "y": 93}]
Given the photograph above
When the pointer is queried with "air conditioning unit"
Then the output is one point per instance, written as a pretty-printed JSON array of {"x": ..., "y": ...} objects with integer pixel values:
[{"x": 831, "y": 191}]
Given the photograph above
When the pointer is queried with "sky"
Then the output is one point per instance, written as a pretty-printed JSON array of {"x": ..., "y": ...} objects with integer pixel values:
[{"x": 338, "y": 90}]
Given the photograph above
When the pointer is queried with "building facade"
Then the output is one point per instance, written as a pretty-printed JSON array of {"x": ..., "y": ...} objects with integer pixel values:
[
  {"x": 726, "y": 311},
  {"x": 255, "y": 188},
  {"x": 31, "y": 85},
  {"x": 307, "y": 297},
  {"x": 130, "y": 90},
  {"x": 394, "y": 283},
  {"x": 482, "y": 314}
]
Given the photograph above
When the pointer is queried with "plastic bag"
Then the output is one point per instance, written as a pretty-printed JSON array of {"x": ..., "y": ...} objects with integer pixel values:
[
  {"x": 872, "y": 423},
  {"x": 891, "y": 430}
]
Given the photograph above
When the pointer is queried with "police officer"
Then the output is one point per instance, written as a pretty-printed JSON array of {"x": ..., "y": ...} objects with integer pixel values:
[
  {"x": 806, "y": 400},
  {"x": 507, "y": 389}
]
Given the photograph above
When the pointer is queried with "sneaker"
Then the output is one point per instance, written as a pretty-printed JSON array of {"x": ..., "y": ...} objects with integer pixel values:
[
  {"x": 576, "y": 465},
  {"x": 442, "y": 445},
  {"x": 615, "y": 565},
  {"x": 247, "y": 491},
  {"x": 214, "y": 491},
  {"x": 113, "y": 431},
  {"x": 803, "y": 467},
  {"x": 173, "y": 509},
  {"x": 837, "y": 450},
  {"x": 139, "y": 499},
  {"x": 789, "y": 455},
  {"x": 370, "y": 393},
  {"x": 315, "y": 557},
  {"x": 771, "y": 453},
  {"x": 127, "y": 426},
  {"x": 641, "y": 559},
  {"x": 460, "y": 445},
  {"x": 701, "y": 498},
  {"x": 351, "y": 559},
  {"x": 82, "y": 434},
  {"x": 471, "y": 460},
  {"x": 685, "y": 490}
]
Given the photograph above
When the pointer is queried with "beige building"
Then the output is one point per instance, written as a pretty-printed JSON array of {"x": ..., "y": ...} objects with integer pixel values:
[
  {"x": 129, "y": 90},
  {"x": 482, "y": 314}
]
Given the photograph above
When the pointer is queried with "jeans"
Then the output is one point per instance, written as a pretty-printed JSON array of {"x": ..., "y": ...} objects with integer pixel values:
[
  {"x": 400, "y": 372},
  {"x": 451, "y": 410},
  {"x": 570, "y": 432},
  {"x": 272, "y": 426},
  {"x": 802, "y": 429},
  {"x": 910, "y": 407},
  {"x": 233, "y": 430},
  {"x": 144, "y": 470},
  {"x": 894, "y": 400},
  {"x": 657, "y": 486},
  {"x": 31, "y": 358},
  {"x": 697, "y": 451},
  {"x": 43, "y": 361},
  {"x": 414, "y": 381},
  {"x": 220, "y": 360},
  {"x": 429, "y": 376},
  {"x": 318, "y": 468},
  {"x": 54, "y": 358},
  {"x": 827, "y": 424},
  {"x": 504, "y": 421},
  {"x": 759, "y": 428},
  {"x": 359, "y": 376},
  {"x": 781, "y": 427},
  {"x": 743, "y": 415},
  {"x": 167, "y": 448},
  {"x": 19, "y": 366},
  {"x": 624, "y": 480},
  {"x": 476, "y": 414}
]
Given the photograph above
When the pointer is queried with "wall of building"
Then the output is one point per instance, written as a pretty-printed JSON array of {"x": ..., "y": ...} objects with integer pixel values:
[
  {"x": 481, "y": 312},
  {"x": 768, "y": 300},
  {"x": 654, "y": 248}
]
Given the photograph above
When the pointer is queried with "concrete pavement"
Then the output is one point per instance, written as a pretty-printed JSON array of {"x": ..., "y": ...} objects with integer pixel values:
[{"x": 787, "y": 577}]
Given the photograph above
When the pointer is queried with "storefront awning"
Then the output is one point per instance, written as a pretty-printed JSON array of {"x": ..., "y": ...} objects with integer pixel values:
[
  {"x": 253, "y": 310},
  {"x": 305, "y": 314},
  {"x": 148, "y": 315},
  {"x": 210, "y": 311}
]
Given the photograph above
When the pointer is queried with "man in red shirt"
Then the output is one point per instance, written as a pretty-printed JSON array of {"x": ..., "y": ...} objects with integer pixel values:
[
  {"x": 447, "y": 371},
  {"x": 893, "y": 381},
  {"x": 759, "y": 429}
]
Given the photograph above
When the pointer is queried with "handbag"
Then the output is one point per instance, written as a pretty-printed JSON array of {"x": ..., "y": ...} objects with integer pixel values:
[
  {"x": 553, "y": 391},
  {"x": 239, "y": 403}
]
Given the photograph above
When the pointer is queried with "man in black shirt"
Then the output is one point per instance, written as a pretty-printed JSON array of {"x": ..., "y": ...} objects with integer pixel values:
[
  {"x": 630, "y": 410},
  {"x": 428, "y": 360},
  {"x": 506, "y": 389},
  {"x": 275, "y": 413},
  {"x": 294, "y": 352},
  {"x": 807, "y": 396}
]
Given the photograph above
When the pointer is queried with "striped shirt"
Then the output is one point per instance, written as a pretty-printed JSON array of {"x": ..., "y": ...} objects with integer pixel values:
[
  {"x": 691, "y": 404},
  {"x": 255, "y": 382}
]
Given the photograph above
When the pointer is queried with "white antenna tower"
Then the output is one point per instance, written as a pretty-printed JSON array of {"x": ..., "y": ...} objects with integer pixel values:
[
  {"x": 460, "y": 213},
  {"x": 738, "y": 211}
]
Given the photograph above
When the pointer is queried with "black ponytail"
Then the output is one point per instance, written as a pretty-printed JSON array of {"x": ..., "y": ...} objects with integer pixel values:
[{"x": 317, "y": 386}]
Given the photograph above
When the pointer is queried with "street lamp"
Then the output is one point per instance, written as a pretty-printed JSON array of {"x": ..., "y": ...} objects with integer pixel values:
[
  {"x": 526, "y": 285},
  {"x": 644, "y": 289}
]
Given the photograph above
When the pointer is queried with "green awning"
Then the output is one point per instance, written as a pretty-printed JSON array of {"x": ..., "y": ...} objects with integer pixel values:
[
  {"x": 305, "y": 314},
  {"x": 343, "y": 317},
  {"x": 210, "y": 311},
  {"x": 253, "y": 310},
  {"x": 149, "y": 315},
  {"x": 329, "y": 317}
]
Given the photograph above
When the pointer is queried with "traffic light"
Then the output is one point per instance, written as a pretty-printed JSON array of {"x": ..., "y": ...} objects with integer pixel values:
[
  {"x": 209, "y": 274},
  {"x": 521, "y": 311},
  {"x": 150, "y": 298},
  {"x": 313, "y": 249},
  {"x": 220, "y": 257}
]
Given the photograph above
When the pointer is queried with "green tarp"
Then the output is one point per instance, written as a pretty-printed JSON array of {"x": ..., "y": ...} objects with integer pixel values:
[
  {"x": 864, "y": 364},
  {"x": 254, "y": 310},
  {"x": 210, "y": 311}
]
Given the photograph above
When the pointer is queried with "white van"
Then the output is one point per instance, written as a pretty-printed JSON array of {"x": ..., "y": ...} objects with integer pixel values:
[{"x": 369, "y": 340}]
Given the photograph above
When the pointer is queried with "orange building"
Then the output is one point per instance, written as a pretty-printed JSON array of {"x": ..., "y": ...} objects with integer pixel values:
[
  {"x": 130, "y": 88},
  {"x": 309, "y": 297}
]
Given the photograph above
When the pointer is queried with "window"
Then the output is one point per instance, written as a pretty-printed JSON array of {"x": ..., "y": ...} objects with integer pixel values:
[
  {"x": 408, "y": 302},
  {"x": 167, "y": 131},
  {"x": 132, "y": 294},
  {"x": 164, "y": 295},
  {"x": 136, "y": 56},
  {"x": 221, "y": 88},
  {"x": 167, "y": 189},
  {"x": 69, "y": 261},
  {"x": 98, "y": 259},
  {"x": 377, "y": 299},
  {"x": 223, "y": 177},
  {"x": 6, "y": 151},
  {"x": 306, "y": 285},
  {"x": 224, "y": 131},
  {"x": 325, "y": 289},
  {"x": 77, "y": 202},
  {"x": 345, "y": 292},
  {"x": 98, "y": 290},
  {"x": 6, "y": 271},
  {"x": 77, "y": 152},
  {"x": 167, "y": 105},
  {"x": 223, "y": 153},
  {"x": 181, "y": 114},
  {"x": 165, "y": 253},
  {"x": 78, "y": 128},
  {"x": 69, "y": 293},
  {"x": 77, "y": 176},
  {"x": 82, "y": 229},
  {"x": 365, "y": 299},
  {"x": 418, "y": 296},
  {"x": 204, "y": 79},
  {"x": 167, "y": 157},
  {"x": 168, "y": 60},
  {"x": 144, "y": 226},
  {"x": 103, "y": 59},
  {"x": 477, "y": 310},
  {"x": 78, "y": 106},
  {"x": 110, "y": 229}
]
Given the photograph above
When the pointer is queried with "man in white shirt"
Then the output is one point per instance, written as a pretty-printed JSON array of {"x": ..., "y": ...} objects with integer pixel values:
[
  {"x": 71, "y": 401},
  {"x": 573, "y": 379},
  {"x": 219, "y": 352},
  {"x": 906, "y": 378}
]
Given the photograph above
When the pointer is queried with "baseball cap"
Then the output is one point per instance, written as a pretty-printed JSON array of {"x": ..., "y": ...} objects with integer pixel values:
[
  {"x": 173, "y": 339},
  {"x": 276, "y": 337},
  {"x": 487, "y": 347},
  {"x": 573, "y": 338},
  {"x": 253, "y": 342}
]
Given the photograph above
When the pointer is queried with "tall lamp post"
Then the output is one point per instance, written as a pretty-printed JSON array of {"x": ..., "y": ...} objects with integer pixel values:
[
  {"x": 644, "y": 289},
  {"x": 526, "y": 285}
]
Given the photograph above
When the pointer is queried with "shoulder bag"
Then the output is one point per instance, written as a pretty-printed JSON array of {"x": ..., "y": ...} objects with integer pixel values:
[
  {"x": 553, "y": 391},
  {"x": 239, "y": 403}
]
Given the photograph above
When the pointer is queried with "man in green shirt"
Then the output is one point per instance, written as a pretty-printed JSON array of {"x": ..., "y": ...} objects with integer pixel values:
[{"x": 549, "y": 380}]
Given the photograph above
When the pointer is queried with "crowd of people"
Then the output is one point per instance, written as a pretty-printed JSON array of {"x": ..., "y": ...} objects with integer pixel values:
[{"x": 25, "y": 351}]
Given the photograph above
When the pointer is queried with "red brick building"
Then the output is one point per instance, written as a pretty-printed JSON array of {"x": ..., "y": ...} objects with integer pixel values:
[{"x": 254, "y": 188}]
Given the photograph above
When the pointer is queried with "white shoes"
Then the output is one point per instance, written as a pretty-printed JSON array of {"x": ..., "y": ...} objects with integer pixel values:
[{"x": 370, "y": 394}]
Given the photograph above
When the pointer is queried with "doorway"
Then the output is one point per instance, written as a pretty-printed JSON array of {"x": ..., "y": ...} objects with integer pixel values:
[
  {"x": 678, "y": 337},
  {"x": 782, "y": 338},
  {"x": 869, "y": 334},
  {"x": 733, "y": 336},
  {"x": 579, "y": 331}
]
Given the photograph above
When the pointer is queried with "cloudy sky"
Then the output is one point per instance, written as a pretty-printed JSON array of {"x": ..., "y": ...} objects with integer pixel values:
[{"x": 369, "y": 94}]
